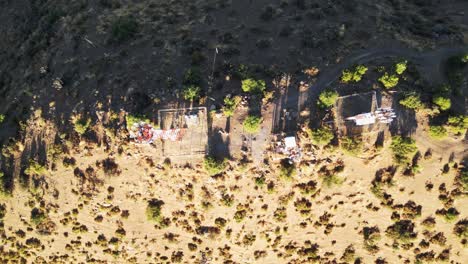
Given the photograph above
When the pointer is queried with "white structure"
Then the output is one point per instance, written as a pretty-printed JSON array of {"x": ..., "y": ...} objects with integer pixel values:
[
  {"x": 381, "y": 115},
  {"x": 290, "y": 142}
]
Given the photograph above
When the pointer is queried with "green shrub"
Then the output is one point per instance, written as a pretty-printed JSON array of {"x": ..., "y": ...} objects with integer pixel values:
[
  {"x": 354, "y": 75},
  {"x": 123, "y": 28},
  {"x": 352, "y": 146},
  {"x": 280, "y": 214},
  {"x": 81, "y": 125},
  {"x": 230, "y": 105},
  {"x": 451, "y": 214},
  {"x": 460, "y": 229},
  {"x": 287, "y": 170},
  {"x": 327, "y": 98},
  {"x": 2, "y": 118},
  {"x": 402, "y": 230},
  {"x": 253, "y": 86},
  {"x": 389, "y": 81},
  {"x": 458, "y": 124},
  {"x": 400, "y": 67},
  {"x": 214, "y": 166},
  {"x": 153, "y": 210},
  {"x": 347, "y": 76},
  {"x": 191, "y": 92},
  {"x": 402, "y": 148},
  {"x": 252, "y": 124},
  {"x": 437, "y": 132},
  {"x": 37, "y": 216},
  {"x": 443, "y": 103},
  {"x": 192, "y": 77},
  {"x": 35, "y": 168},
  {"x": 321, "y": 136},
  {"x": 412, "y": 101},
  {"x": 240, "y": 215}
]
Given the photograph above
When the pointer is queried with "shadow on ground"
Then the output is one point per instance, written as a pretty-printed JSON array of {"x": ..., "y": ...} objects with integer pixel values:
[
  {"x": 219, "y": 141},
  {"x": 405, "y": 123}
]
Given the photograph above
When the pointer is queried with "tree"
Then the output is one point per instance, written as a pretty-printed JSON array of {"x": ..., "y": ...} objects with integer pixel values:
[
  {"x": 458, "y": 124},
  {"x": 253, "y": 86},
  {"x": 35, "y": 169},
  {"x": 402, "y": 147},
  {"x": 37, "y": 216},
  {"x": 327, "y": 98},
  {"x": 230, "y": 105},
  {"x": 252, "y": 124},
  {"x": 400, "y": 67},
  {"x": 389, "y": 81},
  {"x": 191, "y": 92},
  {"x": 443, "y": 103},
  {"x": 402, "y": 230},
  {"x": 153, "y": 210},
  {"x": 321, "y": 136},
  {"x": 354, "y": 75},
  {"x": 412, "y": 101},
  {"x": 437, "y": 132},
  {"x": 81, "y": 124}
]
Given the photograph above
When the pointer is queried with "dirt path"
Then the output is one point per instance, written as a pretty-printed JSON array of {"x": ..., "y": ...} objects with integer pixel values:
[{"x": 429, "y": 63}]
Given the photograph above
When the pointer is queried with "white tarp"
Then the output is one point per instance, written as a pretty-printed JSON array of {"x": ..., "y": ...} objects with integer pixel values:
[{"x": 290, "y": 142}]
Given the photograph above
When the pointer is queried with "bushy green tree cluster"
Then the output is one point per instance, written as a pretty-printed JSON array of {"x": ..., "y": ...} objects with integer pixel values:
[
  {"x": 389, "y": 80},
  {"x": 354, "y": 75},
  {"x": 35, "y": 169},
  {"x": 412, "y": 101},
  {"x": 191, "y": 92},
  {"x": 458, "y": 124},
  {"x": 230, "y": 105},
  {"x": 444, "y": 103},
  {"x": 437, "y": 132},
  {"x": 81, "y": 124},
  {"x": 253, "y": 86},
  {"x": 400, "y": 67},
  {"x": 327, "y": 98}
]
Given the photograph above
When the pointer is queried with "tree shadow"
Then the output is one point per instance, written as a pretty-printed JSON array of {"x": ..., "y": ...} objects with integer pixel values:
[
  {"x": 220, "y": 141},
  {"x": 379, "y": 142},
  {"x": 405, "y": 123},
  {"x": 286, "y": 110}
]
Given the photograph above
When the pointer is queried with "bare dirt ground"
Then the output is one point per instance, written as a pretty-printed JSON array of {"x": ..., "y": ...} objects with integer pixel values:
[{"x": 340, "y": 211}]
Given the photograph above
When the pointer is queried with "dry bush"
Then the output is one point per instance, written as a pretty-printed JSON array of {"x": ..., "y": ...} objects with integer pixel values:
[{"x": 109, "y": 166}]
